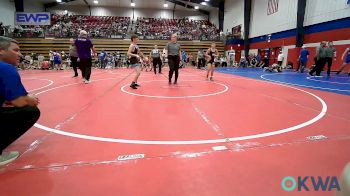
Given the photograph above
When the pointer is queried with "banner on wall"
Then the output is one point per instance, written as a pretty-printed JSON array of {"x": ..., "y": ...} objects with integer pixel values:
[
  {"x": 348, "y": 2},
  {"x": 40, "y": 18}
]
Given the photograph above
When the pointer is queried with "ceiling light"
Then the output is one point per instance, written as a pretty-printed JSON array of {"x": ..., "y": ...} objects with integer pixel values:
[
  {"x": 206, "y": 0},
  {"x": 132, "y": 4},
  {"x": 165, "y": 5},
  {"x": 58, "y": 1},
  {"x": 196, "y": 7},
  {"x": 95, "y": 2},
  {"x": 204, "y": 3}
]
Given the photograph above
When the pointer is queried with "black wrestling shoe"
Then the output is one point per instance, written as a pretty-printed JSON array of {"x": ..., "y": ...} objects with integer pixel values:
[{"x": 133, "y": 86}]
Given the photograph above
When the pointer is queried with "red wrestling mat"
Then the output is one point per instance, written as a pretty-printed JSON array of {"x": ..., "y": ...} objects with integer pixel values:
[{"x": 233, "y": 136}]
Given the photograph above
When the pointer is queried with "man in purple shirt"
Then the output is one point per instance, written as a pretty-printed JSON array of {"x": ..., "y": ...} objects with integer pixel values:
[
  {"x": 84, "y": 47},
  {"x": 18, "y": 111}
]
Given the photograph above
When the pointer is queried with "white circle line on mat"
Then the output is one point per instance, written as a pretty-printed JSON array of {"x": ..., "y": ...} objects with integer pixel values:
[
  {"x": 176, "y": 97},
  {"x": 190, "y": 142}
]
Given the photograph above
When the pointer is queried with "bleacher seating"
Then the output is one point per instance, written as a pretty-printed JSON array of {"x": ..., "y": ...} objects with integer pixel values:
[{"x": 43, "y": 46}]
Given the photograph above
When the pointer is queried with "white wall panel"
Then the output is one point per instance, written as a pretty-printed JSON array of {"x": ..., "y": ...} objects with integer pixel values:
[
  {"x": 284, "y": 19},
  {"x": 214, "y": 17},
  {"x": 233, "y": 14},
  {"x": 7, "y": 10},
  {"x": 326, "y": 10}
]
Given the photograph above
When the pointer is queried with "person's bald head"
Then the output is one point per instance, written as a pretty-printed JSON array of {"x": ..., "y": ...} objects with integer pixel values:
[{"x": 173, "y": 37}]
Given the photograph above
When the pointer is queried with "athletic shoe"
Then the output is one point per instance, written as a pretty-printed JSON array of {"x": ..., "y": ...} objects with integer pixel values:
[
  {"x": 137, "y": 85},
  {"x": 87, "y": 81},
  {"x": 133, "y": 86},
  {"x": 211, "y": 78},
  {"x": 175, "y": 82},
  {"x": 8, "y": 157}
]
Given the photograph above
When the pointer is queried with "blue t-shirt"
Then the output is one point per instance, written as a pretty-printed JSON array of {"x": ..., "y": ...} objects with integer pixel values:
[
  {"x": 184, "y": 56},
  {"x": 11, "y": 86},
  {"x": 303, "y": 55},
  {"x": 84, "y": 46},
  {"x": 103, "y": 55},
  {"x": 347, "y": 58},
  {"x": 258, "y": 57}
]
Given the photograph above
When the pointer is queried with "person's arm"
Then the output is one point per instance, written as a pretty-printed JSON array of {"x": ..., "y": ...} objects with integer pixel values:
[
  {"x": 25, "y": 101},
  {"x": 180, "y": 53},
  {"x": 141, "y": 54},
  {"x": 343, "y": 56},
  {"x": 16, "y": 95}
]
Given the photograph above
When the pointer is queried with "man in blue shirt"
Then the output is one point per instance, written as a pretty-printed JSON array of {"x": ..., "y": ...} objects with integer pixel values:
[
  {"x": 304, "y": 55},
  {"x": 18, "y": 111}
]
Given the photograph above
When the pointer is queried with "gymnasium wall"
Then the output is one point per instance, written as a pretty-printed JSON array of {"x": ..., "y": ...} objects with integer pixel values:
[
  {"x": 233, "y": 14},
  {"x": 7, "y": 10},
  {"x": 325, "y": 10},
  {"x": 33, "y": 6},
  {"x": 214, "y": 17},
  {"x": 263, "y": 24},
  {"x": 127, "y": 12}
]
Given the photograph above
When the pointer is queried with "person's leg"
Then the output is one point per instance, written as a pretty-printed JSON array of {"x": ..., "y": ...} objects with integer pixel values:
[
  {"x": 299, "y": 64},
  {"x": 160, "y": 65},
  {"x": 74, "y": 65},
  {"x": 342, "y": 67},
  {"x": 138, "y": 72},
  {"x": 137, "y": 68},
  {"x": 14, "y": 122},
  {"x": 176, "y": 69},
  {"x": 322, "y": 62},
  {"x": 208, "y": 69},
  {"x": 82, "y": 68},
  {"x": 302, "y": 66},
  {"x": 171, "y": 68},
  {"x": 212, "y": 72},
  {"x": 329, "y": 62},
  {"x": 88, "y": 64},
  {"x": 315, "y": 68},
  {"x": 155, "y": 65}
]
